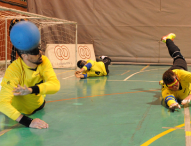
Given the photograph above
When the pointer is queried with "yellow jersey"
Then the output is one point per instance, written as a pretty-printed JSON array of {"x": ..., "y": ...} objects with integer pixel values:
[
  {"x": 19, "y": 73},
  {"x": 97, "y": 69}
]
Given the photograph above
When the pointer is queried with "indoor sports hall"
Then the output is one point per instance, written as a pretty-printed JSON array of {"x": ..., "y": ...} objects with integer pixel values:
[{"x": 120, "y": 109}]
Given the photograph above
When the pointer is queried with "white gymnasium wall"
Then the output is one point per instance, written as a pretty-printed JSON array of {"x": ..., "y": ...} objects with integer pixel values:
[{"x": 64, "y": 55}]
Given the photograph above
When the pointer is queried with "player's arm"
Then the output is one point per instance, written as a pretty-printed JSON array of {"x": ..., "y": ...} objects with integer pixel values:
[
  {"x": 6, "y": 107},
  {"x": 85, "y": 68},
  {"x": 186, "y": 100},
  {"x": 171, "y": 102},
  {"x": 32, "y": 123},
  {"x": 185, "y": 75},
  {"x": 51, "y": 84},
  {"x": 82, "y": 73},
  {"x": 78, "y": 75},
  {"x": 10, "y": 80}
]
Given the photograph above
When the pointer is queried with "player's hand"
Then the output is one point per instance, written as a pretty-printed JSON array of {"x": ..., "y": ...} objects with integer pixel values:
[
  {"x": 174, "y": 105},
  {"x": 22, "y": 90},
  {"x": 77, "y": 72},
  {"x": 38, "y": 124},
  {"x": 78, "y": 75},
  {"x": 185, "y": 101}
]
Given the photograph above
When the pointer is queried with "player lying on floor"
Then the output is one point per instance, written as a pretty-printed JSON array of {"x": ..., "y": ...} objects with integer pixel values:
[
  {"x": 25, "y": 84},
  {"x": 92, "y": 68},
  {"x": 176, "y": 80}
]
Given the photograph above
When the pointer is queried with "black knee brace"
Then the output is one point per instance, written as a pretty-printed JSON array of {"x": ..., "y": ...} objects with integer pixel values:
[
  {"x": 107, "y": 60},
  {"x": 177, "y": 54}
]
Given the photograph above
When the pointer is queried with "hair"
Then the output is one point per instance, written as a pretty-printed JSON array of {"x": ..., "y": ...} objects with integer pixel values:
[
  {"x": 18, "y": 52},
  {"x": 168, "y": 76},
  {"x": 13, "y": 22},
  {"x": 78, "y": 63}
]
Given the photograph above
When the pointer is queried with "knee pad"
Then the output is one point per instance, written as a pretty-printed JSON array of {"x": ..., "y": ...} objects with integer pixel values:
[
  {"x": 107, "y": 60},
  {"x": 177, "y": 54}
]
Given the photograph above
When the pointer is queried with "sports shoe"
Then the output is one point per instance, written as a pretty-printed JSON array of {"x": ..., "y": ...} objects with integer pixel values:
[
  {"x": 161, "y": 82},
  {"x": 102, "y": 57},
  {"x": 168, "y": 36}
]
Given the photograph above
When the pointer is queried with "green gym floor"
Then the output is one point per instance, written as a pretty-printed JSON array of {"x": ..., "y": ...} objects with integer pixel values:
[{"x": 122, "y": 109}]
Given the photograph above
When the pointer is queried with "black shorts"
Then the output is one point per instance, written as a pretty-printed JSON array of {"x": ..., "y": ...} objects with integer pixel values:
[
  {"x": 107, "y": 62},
  {"x": 179, "y": 63},
  {"x": 41, "y": 107}
]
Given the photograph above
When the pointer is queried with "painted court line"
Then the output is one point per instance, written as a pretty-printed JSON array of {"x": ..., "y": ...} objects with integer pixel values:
[
  {"x": 161, "y": 135},
  {"x": 187, "y": 125},
  {"x": 126, "y": 81},
  {"x": 137, "y": 73},
  {"x": 68, "y": 77},
  {"x": 102, "y": 95},
  {"x": 172, "y": 128},
  {"x": 187, "y": 129},
  {"x": 125, "y": 72},
  {"x": 64, "y": 72},
  {"x": 144, "y": 67},
  {"x": 7, "y": 130}
]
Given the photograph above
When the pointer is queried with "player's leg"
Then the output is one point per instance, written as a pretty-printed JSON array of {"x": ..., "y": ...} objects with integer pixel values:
[
  {"x": 41, "y": 107},
  {"x": 179, "y": 61},
  {"x": 106, "y": 60}
]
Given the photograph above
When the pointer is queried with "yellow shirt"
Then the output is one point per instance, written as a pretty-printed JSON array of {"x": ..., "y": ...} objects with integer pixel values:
[
  {"x": 184, "y": 78},
  {"x": 19, "y": 73},
  {"x": 97, "y": 69}
]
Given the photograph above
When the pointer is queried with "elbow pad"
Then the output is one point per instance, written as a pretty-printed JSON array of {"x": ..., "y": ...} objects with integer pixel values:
[
  {"x": 89, "y": 65},
  {"x": 170, "y": 98}
]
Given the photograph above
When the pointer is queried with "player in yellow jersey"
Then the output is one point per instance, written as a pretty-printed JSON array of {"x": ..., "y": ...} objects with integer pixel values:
[
  {"x": 92, "y": 68},
  {"x": 25, "y": 84},
  {"x": 176, "y": 80}
]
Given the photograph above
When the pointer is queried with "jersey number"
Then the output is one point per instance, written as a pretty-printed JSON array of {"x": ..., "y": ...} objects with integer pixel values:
[{"x": 97, "y": 72}]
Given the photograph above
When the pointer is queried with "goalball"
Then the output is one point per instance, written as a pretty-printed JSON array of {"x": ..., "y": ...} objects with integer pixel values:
[{"x": 25, "y": 35}]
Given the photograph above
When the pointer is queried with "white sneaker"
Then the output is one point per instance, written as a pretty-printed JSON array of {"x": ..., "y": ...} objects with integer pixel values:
[{"x": 102, "y": 57}]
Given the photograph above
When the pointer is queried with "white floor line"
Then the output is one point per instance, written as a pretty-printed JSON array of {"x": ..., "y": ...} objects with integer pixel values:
[
  {"x": 65, "y": 72},
  {"x": 68, "y": 77},
  {"x": 187, "y": 125},
  {"x": 137, "y": 73},
  {"x": 126, "y": 81}
]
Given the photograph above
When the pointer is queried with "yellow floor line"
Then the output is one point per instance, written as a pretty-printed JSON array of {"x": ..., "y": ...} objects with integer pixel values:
[
  {"x": 7, "y": 130},
  {"x": 161, "y": 135},
  {"x": 145, "y": 67}
]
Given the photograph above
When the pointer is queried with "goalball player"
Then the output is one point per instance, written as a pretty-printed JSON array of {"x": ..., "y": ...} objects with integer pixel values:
[
  {"x": 176, "y": 80},
  {"x": 92, "y": 68},
  {"x": 25, "y": 84}
]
